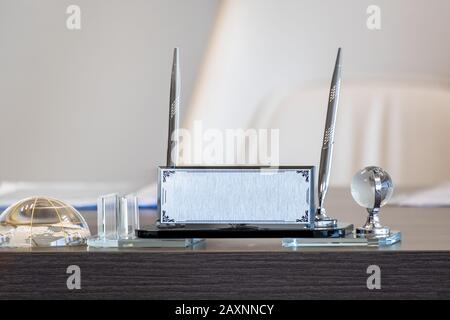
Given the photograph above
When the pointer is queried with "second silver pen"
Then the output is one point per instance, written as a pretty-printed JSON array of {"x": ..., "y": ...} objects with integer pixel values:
[
  {"x": 326, "y": 156},
  {"x": 174, "y": 110}
]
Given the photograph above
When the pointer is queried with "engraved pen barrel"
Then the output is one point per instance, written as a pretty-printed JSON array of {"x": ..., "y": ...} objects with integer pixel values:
[
  {"x": 174, "y": 106},
  {"x": 328, "y": 136}
]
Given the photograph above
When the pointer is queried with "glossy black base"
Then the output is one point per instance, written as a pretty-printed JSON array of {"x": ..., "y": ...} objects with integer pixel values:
[{"x": 243, "y": 231}]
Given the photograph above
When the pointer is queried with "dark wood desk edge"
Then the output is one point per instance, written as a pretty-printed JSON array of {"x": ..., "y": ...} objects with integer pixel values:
[{"x": 227, "y": 275}]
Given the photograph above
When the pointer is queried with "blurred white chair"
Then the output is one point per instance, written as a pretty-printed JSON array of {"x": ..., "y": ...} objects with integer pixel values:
[
  {"x": 258, "y": 46},
  {"x": 404, "y": 128}
]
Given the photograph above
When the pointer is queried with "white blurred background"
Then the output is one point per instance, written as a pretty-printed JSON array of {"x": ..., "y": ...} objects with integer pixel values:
[{"x": 91, "y": 104}]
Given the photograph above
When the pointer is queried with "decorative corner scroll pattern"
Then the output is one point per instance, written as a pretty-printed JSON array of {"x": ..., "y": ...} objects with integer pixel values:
[
  {"x": 166, "y": 218},
  {"x": 305, "y": 174},
  {"x": 167, "y": 174},
  {"x": 304, "y": 218}
]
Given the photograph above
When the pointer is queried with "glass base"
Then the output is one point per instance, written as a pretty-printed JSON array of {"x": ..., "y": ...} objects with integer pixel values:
[
  {"x": 350, "y": 240},
  {"x": 97, "y": 242}
]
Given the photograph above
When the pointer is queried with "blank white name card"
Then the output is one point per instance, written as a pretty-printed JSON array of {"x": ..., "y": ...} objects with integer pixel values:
[{"x": 236, "y": 195}]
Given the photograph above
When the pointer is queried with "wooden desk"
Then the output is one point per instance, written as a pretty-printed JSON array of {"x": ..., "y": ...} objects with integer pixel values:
[{"x": 419, "y": 267}]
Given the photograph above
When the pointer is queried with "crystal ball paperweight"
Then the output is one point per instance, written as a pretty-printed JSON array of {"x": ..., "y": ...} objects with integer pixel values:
[
  {"x": 371, "y": 188},
  {"x": 42, "y": 222},
  {"x": 363, "y": 186}
]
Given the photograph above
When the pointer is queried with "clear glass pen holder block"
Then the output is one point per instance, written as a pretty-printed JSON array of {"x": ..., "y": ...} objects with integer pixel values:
[{"x": 118, "y": 217}]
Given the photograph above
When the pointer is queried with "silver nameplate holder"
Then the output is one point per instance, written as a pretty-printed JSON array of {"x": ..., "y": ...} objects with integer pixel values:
[{"x": 236, "y": 195}]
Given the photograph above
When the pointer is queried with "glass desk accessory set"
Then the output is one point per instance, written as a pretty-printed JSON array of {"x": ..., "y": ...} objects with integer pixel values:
[
  {"x": 201, "y": 202},
  {"x": 197, "y": 203}
]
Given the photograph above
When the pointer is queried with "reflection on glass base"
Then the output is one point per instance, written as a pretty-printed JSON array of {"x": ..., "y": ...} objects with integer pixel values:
[
  {"x": 97, "y": 242},
  {"x": 350, "y": 240}
]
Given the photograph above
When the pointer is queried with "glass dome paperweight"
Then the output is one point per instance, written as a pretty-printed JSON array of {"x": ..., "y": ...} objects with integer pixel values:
[{"x": 42, "y": 222}]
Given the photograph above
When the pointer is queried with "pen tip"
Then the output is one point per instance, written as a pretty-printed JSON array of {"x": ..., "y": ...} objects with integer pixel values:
[
  {"x": 338, "y": 57},
  {"x": 176, "y": 54}
]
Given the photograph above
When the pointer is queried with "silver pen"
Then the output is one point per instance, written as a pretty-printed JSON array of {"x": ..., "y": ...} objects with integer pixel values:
[
  {"x": 322, "y": 220},
  {"x": 174, "y": 110},
  {"x": 174, "y": 113}
]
